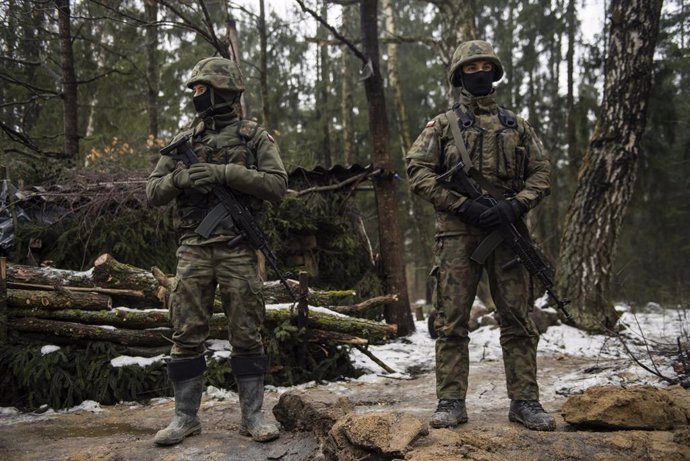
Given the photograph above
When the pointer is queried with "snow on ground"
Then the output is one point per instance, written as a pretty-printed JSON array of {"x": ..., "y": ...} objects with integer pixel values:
[{"x": 660, "y": 327}]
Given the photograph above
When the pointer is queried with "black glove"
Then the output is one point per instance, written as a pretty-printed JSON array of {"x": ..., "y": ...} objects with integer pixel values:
[
  {"x": 504, "y": 212},
  {"x": 470, "y": 211}
]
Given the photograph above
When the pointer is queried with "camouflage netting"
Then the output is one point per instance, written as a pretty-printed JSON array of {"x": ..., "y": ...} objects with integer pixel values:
[{"x": 78, "y": 217}]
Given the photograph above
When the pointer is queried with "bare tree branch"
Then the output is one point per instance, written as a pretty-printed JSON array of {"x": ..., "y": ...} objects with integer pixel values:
[{"x": 335, "y": 33}]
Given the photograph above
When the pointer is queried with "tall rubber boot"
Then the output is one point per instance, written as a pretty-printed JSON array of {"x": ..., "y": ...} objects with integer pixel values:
[
  {"x": 249, "y": 375},
  {"x": 187, "y": 377}
]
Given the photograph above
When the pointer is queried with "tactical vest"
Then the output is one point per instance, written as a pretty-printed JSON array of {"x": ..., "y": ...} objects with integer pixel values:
[
  {"x": 232, "y": 144},
  {"x": 494, "y": 143}
]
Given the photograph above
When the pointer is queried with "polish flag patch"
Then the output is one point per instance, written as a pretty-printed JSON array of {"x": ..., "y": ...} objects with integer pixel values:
[
  {"x": 270, "y": 138},
  {"x": 431, "y": 123}
]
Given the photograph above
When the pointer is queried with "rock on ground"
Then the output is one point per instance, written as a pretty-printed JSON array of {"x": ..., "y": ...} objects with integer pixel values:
[
  {"x": 387, "y": 434},
  {"x": 637, "y": 407}
]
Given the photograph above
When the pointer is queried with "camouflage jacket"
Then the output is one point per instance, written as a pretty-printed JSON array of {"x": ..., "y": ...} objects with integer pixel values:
[
  {"x": 256, "y": 173},
  {"x": 511, "y": 158}
]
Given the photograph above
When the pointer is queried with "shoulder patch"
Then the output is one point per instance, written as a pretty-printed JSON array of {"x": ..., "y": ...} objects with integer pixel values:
[
  {"x": 430, "y": 124},
  {"x": 248, "y": 129},
  {"x": 270, "y": 138}
]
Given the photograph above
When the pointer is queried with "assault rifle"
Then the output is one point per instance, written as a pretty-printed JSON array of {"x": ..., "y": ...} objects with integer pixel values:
[
  {"x": 525, "y": 251},
  {"x": 229, "y": 206},
  {"x": 466, "y": 179}
]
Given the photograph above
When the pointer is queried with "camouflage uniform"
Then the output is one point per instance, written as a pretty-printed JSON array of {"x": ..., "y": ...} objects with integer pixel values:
[
  {"x": 255, "y": 170},
  {"x": 512, "y": 159},
  {"x": 241, "y": 155}
]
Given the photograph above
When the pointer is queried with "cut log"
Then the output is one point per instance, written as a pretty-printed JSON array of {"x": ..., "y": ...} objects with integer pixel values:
[
  {"x": 353, "y": 328},
  {"x": 121, "y": 318},
  {"x": 364, "y": 306},
  {"x": 58, "y": 299},
  {"x": 80, "y": 331},
  {"x": 323, "y": 336},
  {"x": 49, "y": 276},
  {"x": 108, "y": 272},
  {"x": 374, "y": 332},
  {"x": 275, "y": 293},
  {"x": 103, "y": 291}
]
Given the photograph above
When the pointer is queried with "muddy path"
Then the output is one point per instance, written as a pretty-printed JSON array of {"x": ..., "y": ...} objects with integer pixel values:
[{"x": 125, "y": 432}]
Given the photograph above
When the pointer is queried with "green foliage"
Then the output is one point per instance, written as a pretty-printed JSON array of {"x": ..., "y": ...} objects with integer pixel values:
[
  {"x": 295, "y": 361},
  {"x": 67, "y": 377}
]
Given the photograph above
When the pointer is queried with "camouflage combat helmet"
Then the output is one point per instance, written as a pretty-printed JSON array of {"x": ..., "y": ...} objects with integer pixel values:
[
  {"x": 220, "y": 73},
  {"x": 471, "y": 51}
]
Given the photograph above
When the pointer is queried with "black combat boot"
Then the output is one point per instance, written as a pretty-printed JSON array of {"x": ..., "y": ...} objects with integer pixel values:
[
  {"x": 449, "y": 413},
  {"x": 187, "y": 379},
  {"x": 530, "y": 414},
  {"x": 249, "y": 376}
]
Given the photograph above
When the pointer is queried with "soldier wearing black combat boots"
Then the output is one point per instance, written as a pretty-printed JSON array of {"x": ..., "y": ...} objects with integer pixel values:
[{"x": 505, "y": 150}]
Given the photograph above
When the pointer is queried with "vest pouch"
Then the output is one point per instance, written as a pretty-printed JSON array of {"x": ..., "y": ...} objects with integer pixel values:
[
  {"x": 473, "y": 138},
  {"x": 510, "y": 155}
]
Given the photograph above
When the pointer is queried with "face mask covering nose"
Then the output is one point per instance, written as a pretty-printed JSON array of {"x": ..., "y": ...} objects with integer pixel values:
[
  {"x": 478, "y": 83},
  {"x": 202, "y": 102}
]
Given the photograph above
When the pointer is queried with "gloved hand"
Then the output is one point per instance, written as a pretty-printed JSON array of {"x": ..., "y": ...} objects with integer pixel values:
[
  {"x": 505, "y": 211},
  {"x": 206, "y": 174},
  {"x": 181, "y": 179},
  {"x": 470, "y": 211}
]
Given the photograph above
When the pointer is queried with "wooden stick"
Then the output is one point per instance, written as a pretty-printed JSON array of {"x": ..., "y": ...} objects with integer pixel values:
[{"x": 375, "y": 359}]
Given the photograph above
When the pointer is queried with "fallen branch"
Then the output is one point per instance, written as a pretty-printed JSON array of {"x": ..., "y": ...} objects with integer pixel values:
[{"x": 375, "y": 359}]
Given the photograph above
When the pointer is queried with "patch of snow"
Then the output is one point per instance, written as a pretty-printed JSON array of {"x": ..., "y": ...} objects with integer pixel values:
[
  {"x": 131, "y": 309},
  {"x": 48, "y": 349},
  {"x": 87, "y": 405},
  {"x": 7, "y": 411},
  {"x": 143, "y": 362},
  {"x": 322, "y": 310},
  {"x": 107, "y": 327},
  {"x": 218, "y": 345},
  {"x": 221, "y": 394}
]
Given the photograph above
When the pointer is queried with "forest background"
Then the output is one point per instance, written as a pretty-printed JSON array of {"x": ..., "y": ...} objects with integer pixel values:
[{"x": 130, "y": 60}]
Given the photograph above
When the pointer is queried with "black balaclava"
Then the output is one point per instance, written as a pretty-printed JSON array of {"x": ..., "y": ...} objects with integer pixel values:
[
  {"x": 478, "y": 83},
  {"x": 213, "y": 102},
  {"x": 203, "y": 102}
]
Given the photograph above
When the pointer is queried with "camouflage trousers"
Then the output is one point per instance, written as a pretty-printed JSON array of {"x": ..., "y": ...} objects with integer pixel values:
[
  {"x": 456, "y": 278},
  {"x": 202, "y": 268}
]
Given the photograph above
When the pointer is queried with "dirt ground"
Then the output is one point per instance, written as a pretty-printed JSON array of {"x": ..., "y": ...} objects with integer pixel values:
[{"x": 125, "y": 432}]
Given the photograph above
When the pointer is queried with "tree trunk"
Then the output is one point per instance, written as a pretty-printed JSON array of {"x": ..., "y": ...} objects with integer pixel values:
[
  {"x": 53, "y": 300},
  {"x": 263, "y": 67},
  {"x": 420, "y": 210},
  {"x": 236, "y": 54},
  {"x": 390, "y": 239},
  {"x": 69, "y": 81},
  {"x": 152, "y": 69},
  {"x": 606, "y": 180},
  {"x": 347, "y": 99},
  {"x": 322, "y": 112},
  {"x": 570, "y": 138}
]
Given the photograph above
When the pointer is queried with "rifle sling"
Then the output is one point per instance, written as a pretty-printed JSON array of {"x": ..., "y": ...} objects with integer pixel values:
[{"x": 489, "y": 244}]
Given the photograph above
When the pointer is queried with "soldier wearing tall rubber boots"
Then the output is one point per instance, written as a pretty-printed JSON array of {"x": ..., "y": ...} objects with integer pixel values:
[
  {"x": 505, "y": 150},
  {"x": 240, "y": 155}
]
